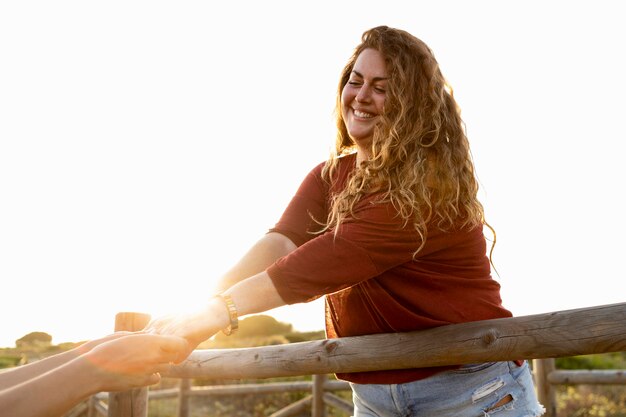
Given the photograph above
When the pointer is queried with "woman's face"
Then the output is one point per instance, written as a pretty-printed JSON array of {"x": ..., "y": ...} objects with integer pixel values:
[{"x": 363, "y": 96}]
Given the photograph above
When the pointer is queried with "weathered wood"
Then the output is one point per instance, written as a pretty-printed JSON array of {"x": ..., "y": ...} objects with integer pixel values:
[
  {"x": 546, "y": 394},
  {"x": 317, "y": 405},
  {"x": 598, "y": 329},
  {"x": 91, "y": 410},
  {"x": 294, "y": 409},
  {"x": 339, "y": 403},
  {"x": 131, "y": 322},
  {"x": 101, "y": 408},
  {"x": 595, "y": 377},
  {"x": 78, "y": 410},
  {"x": 269, "y": 388},
  {"x": 129, "y": 403},
  {"x": 243, "y": 389},
  {"x": 163, "y": 393},
  {"x": 183, "y": 397}
]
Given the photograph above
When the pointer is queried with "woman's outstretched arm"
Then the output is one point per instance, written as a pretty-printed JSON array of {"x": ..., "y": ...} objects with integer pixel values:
[
  {"x": 252, "y": 295},
  {"x": 259, "y": 257}
]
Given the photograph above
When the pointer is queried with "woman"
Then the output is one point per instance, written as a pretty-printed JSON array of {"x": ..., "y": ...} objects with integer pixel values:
[{"x": 391, "y": 231}]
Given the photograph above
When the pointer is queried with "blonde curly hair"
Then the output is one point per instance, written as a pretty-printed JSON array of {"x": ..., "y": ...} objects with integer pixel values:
[{"x": 420, "y": 159}]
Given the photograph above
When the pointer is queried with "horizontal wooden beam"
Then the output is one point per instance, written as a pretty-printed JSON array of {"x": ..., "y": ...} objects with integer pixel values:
[
  {"x": 255, "y": 389},
  {"x": 598, "y": 329},
  {"x": 595, "y": 377}
]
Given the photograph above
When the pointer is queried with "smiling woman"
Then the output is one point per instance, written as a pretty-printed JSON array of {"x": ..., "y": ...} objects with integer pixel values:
[
  {"x": 390, "y": 231},
  {"x": 145, "y": 145}
]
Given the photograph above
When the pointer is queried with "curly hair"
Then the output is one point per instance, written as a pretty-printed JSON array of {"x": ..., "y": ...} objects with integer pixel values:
[{"x": 420, "y": 159}]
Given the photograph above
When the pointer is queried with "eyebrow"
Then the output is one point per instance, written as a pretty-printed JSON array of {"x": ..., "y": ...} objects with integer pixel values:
[{"x": 373, "y": 79}]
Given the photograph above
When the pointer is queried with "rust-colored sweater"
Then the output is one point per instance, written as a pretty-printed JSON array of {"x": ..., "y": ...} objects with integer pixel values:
[{"x": 368, "y": 271}]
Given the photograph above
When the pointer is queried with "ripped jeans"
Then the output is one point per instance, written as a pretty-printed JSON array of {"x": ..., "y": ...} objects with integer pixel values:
[{"x": 495, "y": 389}]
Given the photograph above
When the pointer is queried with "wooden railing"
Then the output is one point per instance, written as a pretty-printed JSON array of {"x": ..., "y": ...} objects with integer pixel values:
[
  {"x": 599, "y": 329},
  {"x": 320, "y": 391}
]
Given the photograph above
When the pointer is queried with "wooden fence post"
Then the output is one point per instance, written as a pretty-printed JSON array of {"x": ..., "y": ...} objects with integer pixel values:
[
  {"x": 546, "y": 393},
  {"x": 132, "y": 403},
  {"x": 183, "y": 397},
  {"x": 91, "y": 407},
  {"x": 317, "y": 405}
]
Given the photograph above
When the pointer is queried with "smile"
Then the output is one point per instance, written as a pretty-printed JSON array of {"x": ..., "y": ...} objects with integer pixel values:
[{"x": 362, "y": 114}]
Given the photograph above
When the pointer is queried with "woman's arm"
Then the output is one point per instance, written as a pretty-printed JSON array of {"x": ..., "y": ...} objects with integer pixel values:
[
  {"x": 363, "y": 249},
  {"x": 252, "y": 295},
  {"x": 301, "y": 217},
  {"x": 120, "y": 364},
  {"x": 293, "y": 229},
  {"x": 262, "y": 254}
]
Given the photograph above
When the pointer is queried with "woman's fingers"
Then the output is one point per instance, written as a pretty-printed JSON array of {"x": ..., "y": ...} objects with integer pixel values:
[{"x": 170, "y": 349}]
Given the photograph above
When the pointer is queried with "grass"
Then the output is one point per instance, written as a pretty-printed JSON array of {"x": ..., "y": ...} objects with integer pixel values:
[{"x": 591, "y": 401}]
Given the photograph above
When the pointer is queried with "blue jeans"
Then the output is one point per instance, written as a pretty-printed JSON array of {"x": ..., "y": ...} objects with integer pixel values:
[{"x": 498, "y": 389}]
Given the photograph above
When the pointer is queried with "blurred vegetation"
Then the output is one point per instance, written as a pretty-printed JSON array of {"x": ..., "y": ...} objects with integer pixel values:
[
  {"x": 260, "y": 330},
  {"x": 591, "y": 401},
  {"x": 257, "y": 326},
  {"x": 614, "y": 360},
  {"x": 34, "y": 339},
  {"x": 32, "y": 347},
  {"x": 10, "y": 360}
]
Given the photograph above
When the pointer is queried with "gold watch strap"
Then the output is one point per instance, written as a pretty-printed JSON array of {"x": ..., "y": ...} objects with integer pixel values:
[{"x": 232, "y": 314}]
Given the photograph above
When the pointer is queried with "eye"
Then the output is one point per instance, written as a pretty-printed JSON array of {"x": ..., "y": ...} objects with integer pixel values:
[{"x": 380, "y": 90}]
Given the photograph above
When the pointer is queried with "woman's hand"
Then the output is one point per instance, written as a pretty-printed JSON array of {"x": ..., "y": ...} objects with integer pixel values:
[
  {"x": 195, "y": 327},
  {"x": 252, "y": 295},
  {"x": 133, "y": 360}
]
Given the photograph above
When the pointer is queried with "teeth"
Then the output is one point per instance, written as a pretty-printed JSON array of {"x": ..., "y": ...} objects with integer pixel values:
[{"x": 359, "y": 113}]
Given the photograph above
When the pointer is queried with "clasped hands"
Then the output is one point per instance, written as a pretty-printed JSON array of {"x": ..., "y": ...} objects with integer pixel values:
[{"x": 195, "y": 327}]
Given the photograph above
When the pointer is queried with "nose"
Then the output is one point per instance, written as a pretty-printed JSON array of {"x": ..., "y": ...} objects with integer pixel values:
[{"x": 364, "y": 94}]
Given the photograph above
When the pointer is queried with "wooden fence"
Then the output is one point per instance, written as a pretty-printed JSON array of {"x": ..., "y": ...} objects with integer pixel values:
[{"x": 542, "y": 337}]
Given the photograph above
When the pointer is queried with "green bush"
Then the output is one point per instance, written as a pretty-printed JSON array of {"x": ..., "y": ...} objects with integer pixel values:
[
  {"x": 305, "y": 336},
  {"x": 34, "y": 339},
  {"x": 591, "y": 401},
  {"x": 615, "y": 360},
  {"x": 257, "y": 326},
  {"x": 9, "y": 361}
]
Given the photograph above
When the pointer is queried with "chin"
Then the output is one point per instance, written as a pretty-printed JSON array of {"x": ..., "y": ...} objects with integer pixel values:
[{"x": 362, "y": 141}]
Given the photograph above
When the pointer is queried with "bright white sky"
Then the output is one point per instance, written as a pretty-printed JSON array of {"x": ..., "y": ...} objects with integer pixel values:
[{"x": 144, "y": 145}]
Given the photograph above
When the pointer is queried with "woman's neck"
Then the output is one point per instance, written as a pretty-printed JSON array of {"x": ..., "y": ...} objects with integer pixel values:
[{"x": 361, "y": 155}]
